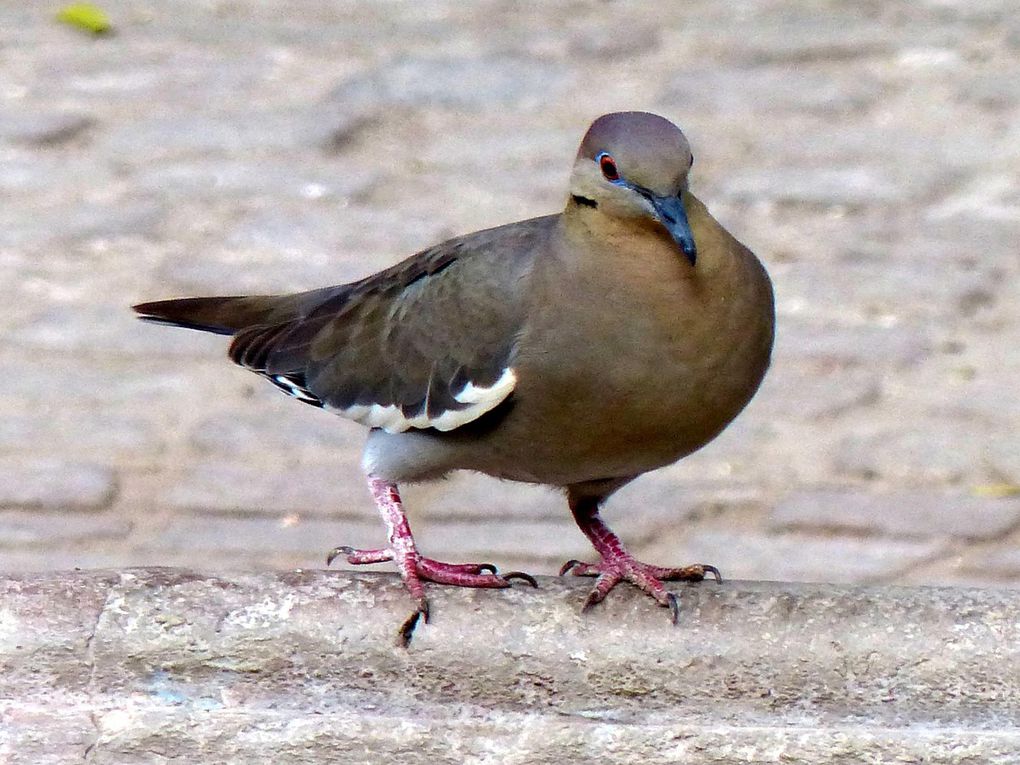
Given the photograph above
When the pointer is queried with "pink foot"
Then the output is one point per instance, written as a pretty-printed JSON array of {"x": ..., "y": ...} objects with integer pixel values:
[
  {"x": 618, "y": 565},
  {"x": 430, "y": 570},
  {"x": 646, "y": 577},
  {"x": 414, "y": 568}
]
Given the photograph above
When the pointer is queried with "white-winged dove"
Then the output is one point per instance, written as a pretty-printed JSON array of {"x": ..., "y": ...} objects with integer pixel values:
[{"x": 577, "y": 350}]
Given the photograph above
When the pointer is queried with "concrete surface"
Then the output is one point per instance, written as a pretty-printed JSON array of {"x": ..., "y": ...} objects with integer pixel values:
[
  {"x": 868, "y": 151},
  {"x": 160, "y": 666}
]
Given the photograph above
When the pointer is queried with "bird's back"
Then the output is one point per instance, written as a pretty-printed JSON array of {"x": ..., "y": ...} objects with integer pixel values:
[{"x": 393, "y": 350}]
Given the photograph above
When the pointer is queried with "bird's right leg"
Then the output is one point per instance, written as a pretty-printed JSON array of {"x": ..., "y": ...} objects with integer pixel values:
[
  {"x": 617, "y": 564},
  {"x": 414, "y": 568}
]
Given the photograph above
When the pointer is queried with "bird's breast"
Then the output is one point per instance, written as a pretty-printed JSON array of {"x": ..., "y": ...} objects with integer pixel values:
[{"x": 633, "y": 374}]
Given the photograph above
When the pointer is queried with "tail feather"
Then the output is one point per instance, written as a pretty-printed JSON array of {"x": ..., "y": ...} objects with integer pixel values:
[{"x": 222, "y": 315}]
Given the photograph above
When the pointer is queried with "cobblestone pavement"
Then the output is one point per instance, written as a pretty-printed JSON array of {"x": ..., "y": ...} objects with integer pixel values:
[{"x": 869, "y": 152}]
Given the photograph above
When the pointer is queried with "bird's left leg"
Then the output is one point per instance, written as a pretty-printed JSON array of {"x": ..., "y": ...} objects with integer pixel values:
[
  {"x": 414, "y": 568},
  {"x": 617, "y": 564}
]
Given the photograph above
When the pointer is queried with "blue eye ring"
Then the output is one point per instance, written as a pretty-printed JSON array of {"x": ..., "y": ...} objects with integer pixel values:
[{"x": 608, "y": 167}]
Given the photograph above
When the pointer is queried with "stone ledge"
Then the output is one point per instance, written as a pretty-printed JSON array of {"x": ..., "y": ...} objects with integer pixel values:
[{"x": 144, "y": 665}]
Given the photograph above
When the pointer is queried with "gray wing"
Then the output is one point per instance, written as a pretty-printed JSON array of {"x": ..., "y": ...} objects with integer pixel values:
[{"x": 428, "y": 343}]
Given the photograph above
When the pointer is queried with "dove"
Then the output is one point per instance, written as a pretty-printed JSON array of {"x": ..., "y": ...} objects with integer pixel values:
[{"x": 577, "y": 350}]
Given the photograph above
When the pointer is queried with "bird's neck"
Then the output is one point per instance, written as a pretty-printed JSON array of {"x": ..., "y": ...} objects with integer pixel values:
[{"x": 600, "y": 240}]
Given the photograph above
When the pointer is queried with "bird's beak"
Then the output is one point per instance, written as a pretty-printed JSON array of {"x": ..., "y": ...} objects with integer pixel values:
[{"x": 673, "y": 216}]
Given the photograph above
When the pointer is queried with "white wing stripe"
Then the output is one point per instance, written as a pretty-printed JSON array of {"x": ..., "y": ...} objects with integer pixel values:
[
  {"x": 478, "y": 398},
  {"x": 499, "y": 390}
]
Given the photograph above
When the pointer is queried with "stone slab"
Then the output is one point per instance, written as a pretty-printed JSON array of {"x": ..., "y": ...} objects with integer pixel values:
[{"x": 302, "y": 667}]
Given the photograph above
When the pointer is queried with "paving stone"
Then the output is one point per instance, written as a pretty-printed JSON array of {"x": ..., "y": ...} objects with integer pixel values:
[
  {"x": 873, "y": 290},
  {"x": 309, "y": 229},
  {"x": 1003, "y": 454},
  {"x": 320, "y": 246},
  {"x": 865, "y": 346},
  {"x": 263, "y": 538},
  {"x": 725, "y": 458},
  {"x": 990, "y": 198},
  {"x": 812, "y": 392},
  {"x": 177, "y": 71},
  {"x": 967, "y": 381},
  {"x": 233, "y": 135},
  {"x": 84, "y": 433},
  {"x": 137, "y": 217},
  {"x": 43, "y": 128},
  {"x": 62, "y": 221},
  {"x": 988, "y": 395},
  {"x": 292, "y": 434},
  {"x": 55, "y": 485},
  {"x": 214, "y": 179},
  {"x": 23, "y": 174},
  {"x": 667, "y": 499},
  {"x": 615, "y": 42},
  {"x": 276, "y": 489},
  {"x": 81, "y": 555},
  {"x": 816, "y": 186},
  {"x": 82, "y": 273},
  {"x": 999, "y": 565},
  {"x": 791, "y": 557},
  {"x": 473, "y": 82},
  {"x": 992, "y": 91},
  {"x": 918, "y": 451},
  {"x": 108, "y": 381},
  {"x": 35, "y": 528},
  {"x": 769, "y": 89},
  {"x": 99, "y": 328},
  {"x": 799, "y": 36},
  {"x": 520, "y": 147},
  {"x": 470, "y": 496},
  {"x": 761, "y": 450},
  {"x": 897, "y": 514}
]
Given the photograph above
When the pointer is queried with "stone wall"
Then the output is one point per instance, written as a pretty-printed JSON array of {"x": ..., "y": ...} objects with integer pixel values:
[{"x": 159, "y": 665}]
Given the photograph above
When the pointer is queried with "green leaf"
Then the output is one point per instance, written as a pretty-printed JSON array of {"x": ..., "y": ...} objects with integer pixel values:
[
  {"x": 996, "y": 490},
  {"x": 86, "y": 17}
]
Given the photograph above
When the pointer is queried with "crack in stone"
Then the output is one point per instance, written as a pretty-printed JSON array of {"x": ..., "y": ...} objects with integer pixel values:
[{"x": 90, "y": 659}]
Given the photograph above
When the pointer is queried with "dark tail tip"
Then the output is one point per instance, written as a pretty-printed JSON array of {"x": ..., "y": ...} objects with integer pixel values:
[{"x": 212, "y": 314}]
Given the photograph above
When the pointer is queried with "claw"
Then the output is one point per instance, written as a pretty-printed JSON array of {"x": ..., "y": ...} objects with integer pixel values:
[
  {"x": 593, "y": 599},
  {"x": 522, "y": 576},
  {"x": 487, "y": 567},
  {"x": 336, "y": 552},
  {"x": 713, "y": 571},
  {"x": 569, "y": 565},
  {"x": 406, "y": 630},
  {"x": 674, "y": 605}
]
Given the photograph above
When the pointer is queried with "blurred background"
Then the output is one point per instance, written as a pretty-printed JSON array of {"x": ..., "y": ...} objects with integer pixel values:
[{"x": 869, "y": 152}]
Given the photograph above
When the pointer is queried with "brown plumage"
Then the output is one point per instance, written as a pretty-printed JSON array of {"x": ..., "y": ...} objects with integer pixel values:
[{"x": 578, "y": 350}]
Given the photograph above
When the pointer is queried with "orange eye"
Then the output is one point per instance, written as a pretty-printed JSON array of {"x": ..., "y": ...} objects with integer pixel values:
[{"x": 608, "y": 167}]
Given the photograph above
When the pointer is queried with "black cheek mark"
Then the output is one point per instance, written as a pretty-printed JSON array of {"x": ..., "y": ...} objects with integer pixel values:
[{"x": 584, "y": 200}]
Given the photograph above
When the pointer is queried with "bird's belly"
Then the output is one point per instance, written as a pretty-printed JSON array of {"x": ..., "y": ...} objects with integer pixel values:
[{"x": 618, "y": 419}]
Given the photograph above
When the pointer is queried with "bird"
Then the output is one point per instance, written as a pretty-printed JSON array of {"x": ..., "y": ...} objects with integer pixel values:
[{"x": 577, "y": 350}]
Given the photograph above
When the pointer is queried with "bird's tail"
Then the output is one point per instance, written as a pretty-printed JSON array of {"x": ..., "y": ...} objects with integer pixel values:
[{"x": 222, "y": 315}]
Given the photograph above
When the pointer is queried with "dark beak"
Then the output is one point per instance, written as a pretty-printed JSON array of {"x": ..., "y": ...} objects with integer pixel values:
[{"x": 673, "y": 216}]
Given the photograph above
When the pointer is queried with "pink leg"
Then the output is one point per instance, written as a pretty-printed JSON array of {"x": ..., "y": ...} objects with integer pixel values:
[
  {"x": 617, "y": 564},
  {"x": 414, "y": 568}
]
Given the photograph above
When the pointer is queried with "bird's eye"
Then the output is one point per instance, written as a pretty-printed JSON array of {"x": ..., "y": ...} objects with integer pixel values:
[{"x": 608, "y": 167}]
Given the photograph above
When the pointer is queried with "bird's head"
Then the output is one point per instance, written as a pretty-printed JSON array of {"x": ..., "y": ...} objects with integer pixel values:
[{"x": 634, "y": 166}]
